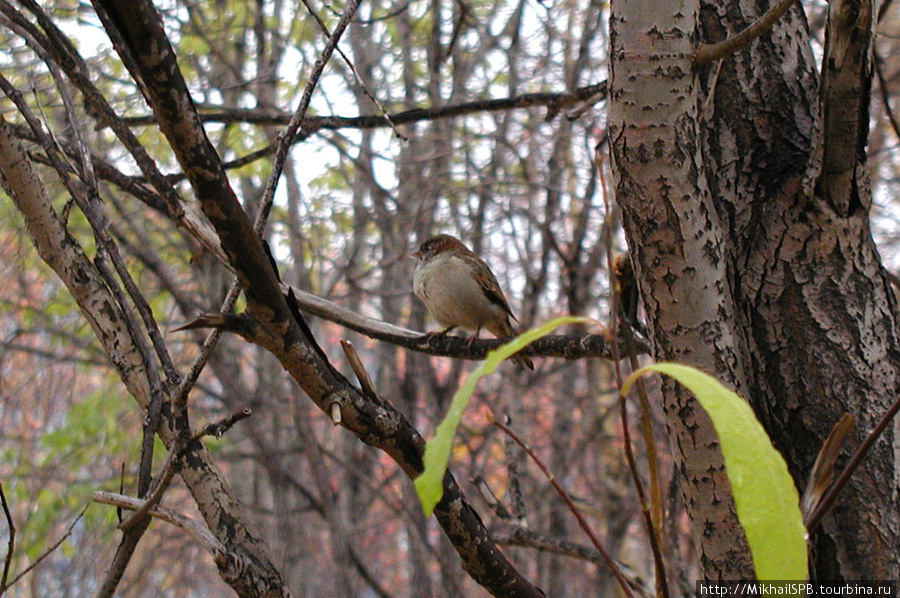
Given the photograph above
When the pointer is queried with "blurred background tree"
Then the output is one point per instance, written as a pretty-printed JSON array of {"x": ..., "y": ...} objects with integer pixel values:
[{"x": 477, "y": 119}]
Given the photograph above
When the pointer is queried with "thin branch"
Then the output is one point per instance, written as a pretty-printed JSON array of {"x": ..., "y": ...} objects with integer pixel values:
[
  {"x": 286, "y": 137},
  {"x": 607, "y": 559},
  {"x": 201, "y": 534},
  {"x": 10, "y": 543},
  {"x": 885, "y": 94},
  {"x": 220, "y": 427},
  {"x": 66, "y": 55},
  {"x": 816, "y": 517},
  {"x": 352, "y": 67},
  {"x": 709, "y": 52},
  {"x": 517, "y": 535},
  {"x": 47, "y": 553},
  {"x": 553, "y": 101},
  {"x": 356, "y": 364}
]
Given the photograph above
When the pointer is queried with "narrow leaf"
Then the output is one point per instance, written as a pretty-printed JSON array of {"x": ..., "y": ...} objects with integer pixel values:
[
  {"x": 429, "y": 484},
  {"x": 767, "y": 503}
]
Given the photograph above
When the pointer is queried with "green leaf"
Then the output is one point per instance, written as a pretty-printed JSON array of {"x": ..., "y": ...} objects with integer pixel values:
[
  {"x": 429, "y": 484},
  {"x": 765, "y": 497}
]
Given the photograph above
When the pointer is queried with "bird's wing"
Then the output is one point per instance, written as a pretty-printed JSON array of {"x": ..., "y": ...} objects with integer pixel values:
[{"x": 491, "y": 288}]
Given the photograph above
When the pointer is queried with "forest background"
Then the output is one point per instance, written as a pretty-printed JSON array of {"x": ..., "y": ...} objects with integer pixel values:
[{"x": 487, "y": 120}]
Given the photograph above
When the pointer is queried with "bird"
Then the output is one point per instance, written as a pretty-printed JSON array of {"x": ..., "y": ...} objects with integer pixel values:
[{"x": 460, "y": 291}]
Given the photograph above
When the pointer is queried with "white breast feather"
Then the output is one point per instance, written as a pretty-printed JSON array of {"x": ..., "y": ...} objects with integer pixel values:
[{"x": 452, "y": 295}]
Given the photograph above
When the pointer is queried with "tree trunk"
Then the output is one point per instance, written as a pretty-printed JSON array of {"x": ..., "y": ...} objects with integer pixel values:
[
  {"x": 746, "y": 203},
  {"x": 677, "y": 245}
]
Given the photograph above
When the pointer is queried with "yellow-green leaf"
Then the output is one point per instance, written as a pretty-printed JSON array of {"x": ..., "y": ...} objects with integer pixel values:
[
  {"x": 429, "y": 484},
  {"x": 767, "y": 503}
]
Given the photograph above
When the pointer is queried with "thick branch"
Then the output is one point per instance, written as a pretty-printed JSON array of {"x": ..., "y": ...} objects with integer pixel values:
[
  {"x": 99, "y": 307},
  {"x": 269, "y": 322}
]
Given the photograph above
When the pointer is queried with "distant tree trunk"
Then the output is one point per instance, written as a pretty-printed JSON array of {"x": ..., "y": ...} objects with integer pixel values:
[{"x": 745, "y": 200}]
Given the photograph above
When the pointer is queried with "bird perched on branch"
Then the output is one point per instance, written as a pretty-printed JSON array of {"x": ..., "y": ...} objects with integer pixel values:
[{"x": 460, "y": 291}]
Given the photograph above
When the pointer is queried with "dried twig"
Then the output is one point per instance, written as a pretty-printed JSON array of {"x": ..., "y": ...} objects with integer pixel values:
[
  {"x": 816, "y": 517},
  {"x": 607, "y": 559},
  {"x": 356, "y": 364},
  {"x": 202, "y": 535}
]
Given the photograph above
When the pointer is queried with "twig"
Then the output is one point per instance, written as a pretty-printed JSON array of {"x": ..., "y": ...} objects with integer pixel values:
[
  {"x": 218, "y": 428},
  {"x": 47, "y": 553},
  {"x": 11, "y": 542},
  {"x": 359, "y": 369},
  {"x": 607, "y": 559},
  {"x": 202, "y": 535},
  {"x": 816, "y": 517},
  {"x": 169, "y": 467},
  {"x": 155, "y": 492},
  {"x": 709, "y": 52},
  {"x": 356, "y": 75},
  {"x": 885, "y": 94},
  {"x": 212, "y": 340},
  {"x": 517, "y": 535},
  {"x": 286, "y": 137}
]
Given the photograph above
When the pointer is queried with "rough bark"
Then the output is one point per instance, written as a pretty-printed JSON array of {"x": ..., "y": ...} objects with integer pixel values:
[
  {"x": 677, "y": 241},
  {"x": 819, "y": 312},
  {"x": 746, "y": 207}
]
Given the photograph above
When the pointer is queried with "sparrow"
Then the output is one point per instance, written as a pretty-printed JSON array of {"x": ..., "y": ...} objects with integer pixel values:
[{"x": 460, "y": 291}]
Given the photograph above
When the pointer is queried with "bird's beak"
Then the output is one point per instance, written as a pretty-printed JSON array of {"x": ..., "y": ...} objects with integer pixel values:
[{"x": 416, "y": 254}]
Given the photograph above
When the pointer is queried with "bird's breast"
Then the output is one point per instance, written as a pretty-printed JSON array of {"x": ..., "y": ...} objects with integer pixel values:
[{"x": 452, "y": 295}]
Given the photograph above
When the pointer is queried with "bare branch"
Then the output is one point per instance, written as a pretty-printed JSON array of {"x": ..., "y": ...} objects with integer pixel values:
[
  {"x": 197, "y": 531},
  {"x": 286, "y": 137},
  {"x": 553, "y": 101},
  {"x": 607, "y": 559},
  {"x": 709, "y": 52},
  {"x": 268, "y": 321},
  {"x": 515, "y": 535},
  {"x": 43, "y": 556}
]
